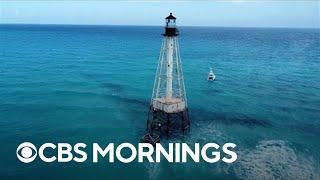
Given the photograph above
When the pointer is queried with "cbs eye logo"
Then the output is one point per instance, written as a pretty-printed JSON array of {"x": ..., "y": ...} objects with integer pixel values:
[{"x": 25, "y": 151}]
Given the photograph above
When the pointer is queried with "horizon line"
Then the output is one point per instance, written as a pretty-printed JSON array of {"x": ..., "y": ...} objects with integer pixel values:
[{"x": 62, "y": 24}]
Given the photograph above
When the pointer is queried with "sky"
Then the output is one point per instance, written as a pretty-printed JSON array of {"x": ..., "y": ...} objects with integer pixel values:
[{"x": 224, "y": 13}]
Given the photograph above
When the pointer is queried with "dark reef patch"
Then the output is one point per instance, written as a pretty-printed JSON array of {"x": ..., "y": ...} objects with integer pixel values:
[
  {"x": 125, "y": 100},
  {"x": 112, "y": 86},
  {"x": 307, "y": 128},
  {"x": 229, "y": 118}
]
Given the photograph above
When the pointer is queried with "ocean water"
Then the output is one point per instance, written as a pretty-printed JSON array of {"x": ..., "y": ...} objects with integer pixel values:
[{"x": 94, "y": 83}]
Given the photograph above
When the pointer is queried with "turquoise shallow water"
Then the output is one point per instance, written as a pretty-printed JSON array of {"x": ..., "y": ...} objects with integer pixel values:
[{"x": 93, "y": 84}]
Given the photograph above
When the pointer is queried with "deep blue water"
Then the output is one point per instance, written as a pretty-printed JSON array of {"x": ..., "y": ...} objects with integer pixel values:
[{"x": 93, "y": 84}]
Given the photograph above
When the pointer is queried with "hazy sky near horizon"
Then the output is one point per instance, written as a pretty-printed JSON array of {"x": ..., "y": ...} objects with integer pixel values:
[{"x": 233, "y": 13}]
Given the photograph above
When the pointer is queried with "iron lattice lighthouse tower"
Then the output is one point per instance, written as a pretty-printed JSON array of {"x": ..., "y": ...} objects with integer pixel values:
[{"x": 168, "y": 108}]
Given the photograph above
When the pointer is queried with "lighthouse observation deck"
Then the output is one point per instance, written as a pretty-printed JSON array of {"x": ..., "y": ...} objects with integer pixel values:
[{"x": 169, "y": 105}]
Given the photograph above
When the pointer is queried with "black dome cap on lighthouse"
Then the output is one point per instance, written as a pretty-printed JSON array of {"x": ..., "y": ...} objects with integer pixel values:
[{"x": 171, "y": 17}]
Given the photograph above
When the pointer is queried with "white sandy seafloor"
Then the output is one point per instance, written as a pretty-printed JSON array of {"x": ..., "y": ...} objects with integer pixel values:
[{"x": 274, "y": 159}]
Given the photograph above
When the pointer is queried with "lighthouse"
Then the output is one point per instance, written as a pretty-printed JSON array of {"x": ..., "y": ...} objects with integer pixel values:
[{"x": 168, "y": 111}]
